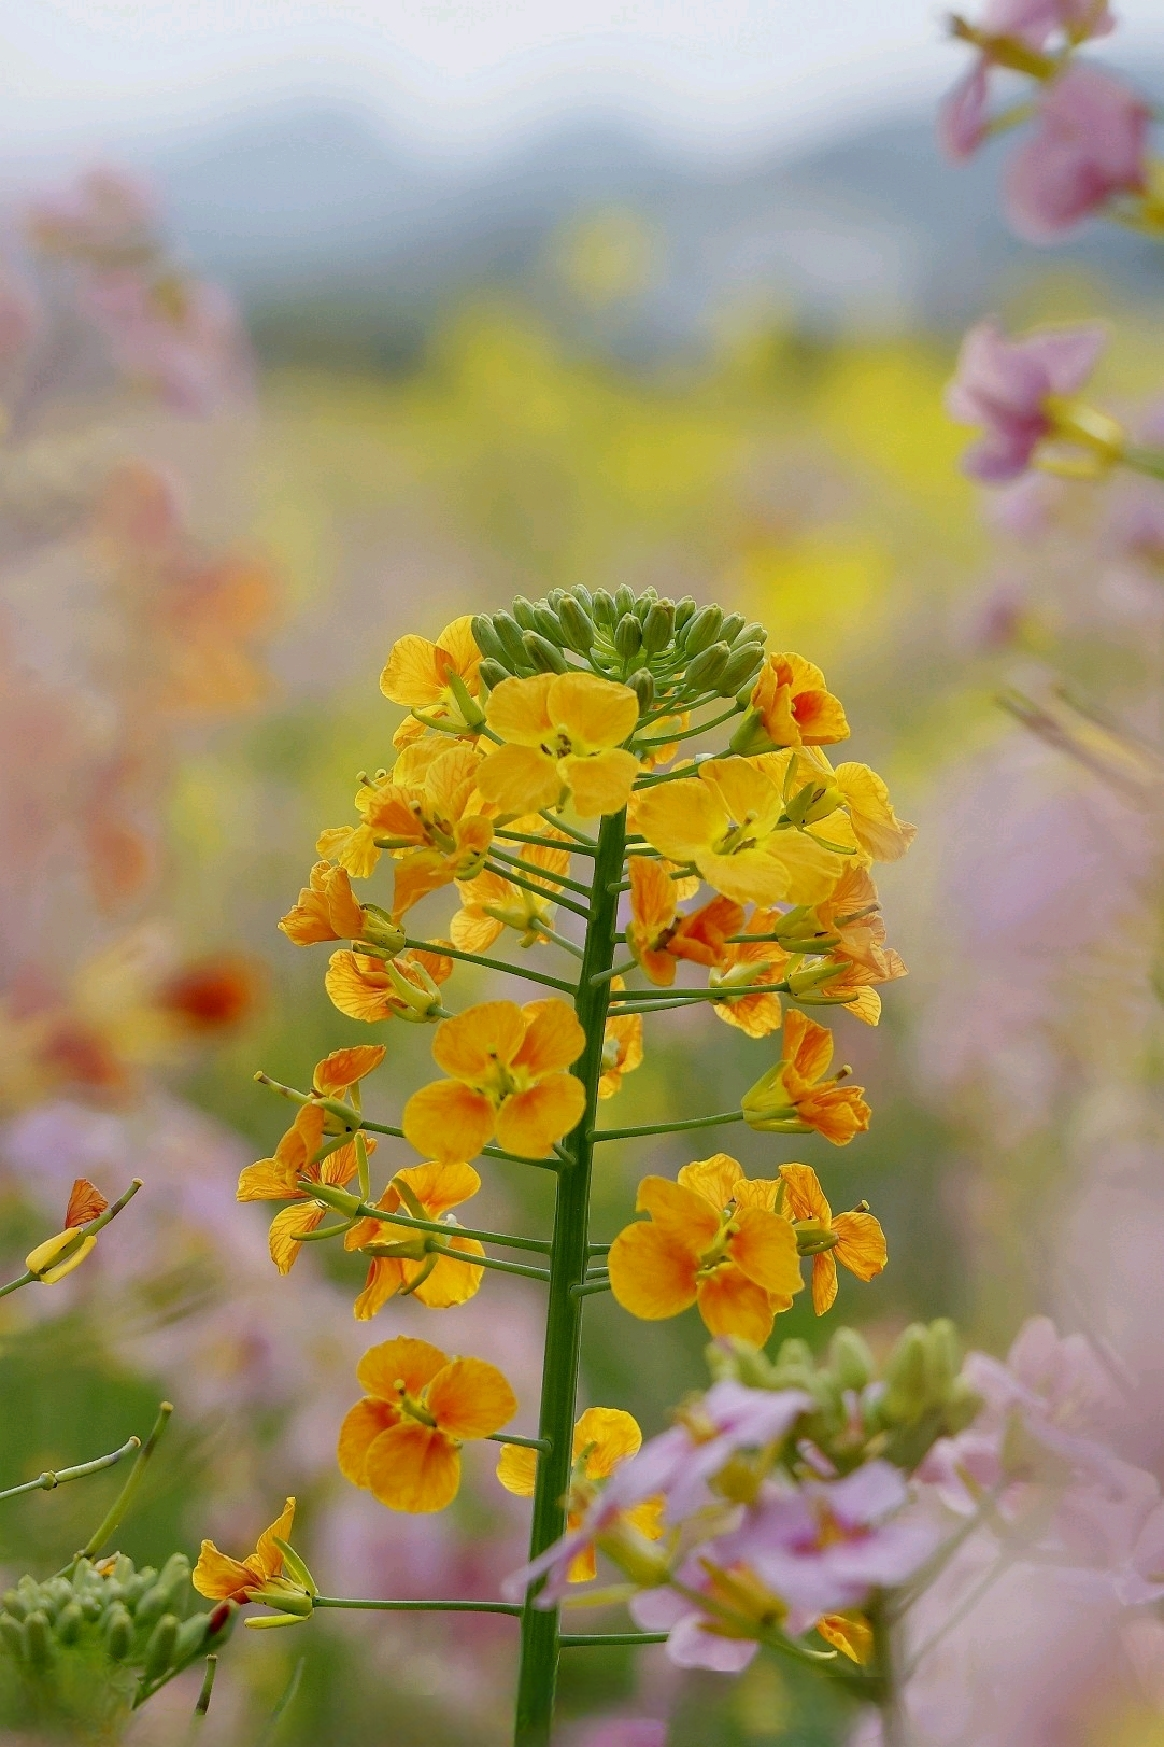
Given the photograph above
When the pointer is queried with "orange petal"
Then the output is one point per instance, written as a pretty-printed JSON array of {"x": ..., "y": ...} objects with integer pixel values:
[
  {"x": 518, "y": 779},
  {"x": 609, "y": 1435},
  {"x": 470, "y": 1398},
  {"x": 268, "y": 1180},
  {"x": 357, "y": 986},
  {"x": 286, "y": 1229},
  {"x": 878, "y": 829},
  {"x": 714, "y": 1178},
  {"x": 602, "y": 784},
  {"x": 860, "y": 1244},
  {"x": 530, "y": 1122},
  {"x": 467, "y": 1046},
  {"x": 517, "y": 1470},
  {"x": 405, "y": 1360},
  {"x": 385, "y": 1278},
  {"x": 450, "y": 1283},
  {"x": 362, "y": 1425},
  {"x": 763, "y": 1246},
  {"x": 824, "y": 1282},
  {"x": 267, "y": 1556},
  {"x": 440, "y": 1187},
  {"x": 419, "y": 872},
  {"x": 413, "y": 1468},
  {"x": 448, "y": 1121},
  {"x": 804, "y": 1197},
  {"x": 345, "y": 1067},
  {"x": 652, "y": 1272},
  {"x": 652, "y": 893},
  {"x": 553, "y": 1038},
  {"x": 851, "y": 1634},
  {"x": 583, "y": 1567},
  {"x": 680, "y": 1211},
  {"x": 218, "y": 1577},
  {"x": 85, "y": 1203},
  {"x": 341, "y": 1166},
  {"x": 807, "y": 1045},
  {"x": 731, "y": 1304}
]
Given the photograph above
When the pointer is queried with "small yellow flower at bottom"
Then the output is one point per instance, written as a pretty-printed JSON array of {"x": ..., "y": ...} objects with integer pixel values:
[
  {"x": 402, "y": 1442},
  {"x": 59, "y": 1255}
]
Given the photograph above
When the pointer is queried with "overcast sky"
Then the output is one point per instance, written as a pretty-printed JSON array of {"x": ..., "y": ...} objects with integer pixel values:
[{"x": 456, "y": 74}]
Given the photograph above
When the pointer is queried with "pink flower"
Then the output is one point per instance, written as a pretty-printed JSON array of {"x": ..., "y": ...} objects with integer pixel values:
[
  {"x": 962, "y": 114},
  {"x": 181, "y": 334},
  {"x": 1035, "y": 22},
  {"x": 690, "y": 1644},
  {"x": 1004, "y": 385},
  {"x": 622, "y": 1732},
  {"x": 1090, "y": 143}
]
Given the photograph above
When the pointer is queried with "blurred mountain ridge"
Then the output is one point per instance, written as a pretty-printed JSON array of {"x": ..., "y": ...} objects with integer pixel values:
[{"x": 326, "y": 225}]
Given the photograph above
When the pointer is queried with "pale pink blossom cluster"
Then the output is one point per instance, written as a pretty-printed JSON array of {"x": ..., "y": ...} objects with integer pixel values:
[{"x": 1089, "y": 140}]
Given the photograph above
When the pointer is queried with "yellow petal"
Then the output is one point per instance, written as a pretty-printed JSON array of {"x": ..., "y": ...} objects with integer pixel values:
[
  {"x": 594, "y": 712},
  {"x": 405, "y": 1360},
  {"x": 469, "y": 1046},
  {"x": 731, "y": 1304},
  {"x": 267, "y": 1556},
  {"x": 218, "y": 1577},
  {"x": 714, "y": 1178},
  {"x": 470, "y": 1398},
  {"x": 851, "y": 1634},
  {"x": 518, "y": 710},
  {"x": 824, "y": 1282},
  {"x": 517, "y": 1470},
  {"x": 358, "y": 986},
  {"x": 807, "y": 1046},
  {"x": 385, "y": 1278},
  {"x": 763, "y": 1246},
  {"x": 40, "y": 1260},
  {"x": 450, "y": 1283},
  {"x": 860, "y": 1244},
  {"x": 519, "y": 779},
  {"x": 447, "y": 1121},
  {"x": 346, "y": 1067},
  {"x": 362, "y": 1425},
  {"x": 878, "y": 829},
  {"x": 268, "y": 1180},
  {"x": 804, "y": 1197},
  {"x": 681, "y": 819},
  {"x": 680, "y": 1210},
  {"x": 439, "y": 1187},
  {"x": 609, "y": 1435},
  {"x": 413, "y": 1468},
  {"x": 652, "y": 1272},
  {"x": 553, "y": 1038},
  {"x": 286, "y": 1229},
  {"x": 410, "y": 676},
  {"x": 530, "y": 1122},
  {"x": 601, "y": 784}
]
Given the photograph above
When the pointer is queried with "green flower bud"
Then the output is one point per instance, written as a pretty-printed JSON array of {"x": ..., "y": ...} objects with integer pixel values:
[
  {"x": 753, "y": 633},
  {"x": 12, "y": 1636},
  {"x": 14, "y": 1603},
  {"x": 577, "y": 626},
  {"x": 189, "y": 1639},
  {"x": 906, "y": 1392},
  {"x": 38, "y": 1642},
  {"x": 56, "y": 1593},
  {"x": 603, "y": 608},
  {"x": 555, "y": 598},
  {"x": 743, "y": 665},
  {"x": 943, "y": 1358},
  {"x": 547, "y": 622},
  {"x": 92, "y": 1607},
  {"x": 731, "y": 628},
  {"x": 486, "y": 638},
  {"x": 706, "y": 671},
  {"x": 658, "y": 626},
  {"x": 628, "y": 636},
  {"x": 545, "y": 657},
  {"x": 68, "y": 1623},
  {"x": 119, "y": 1631},
  {"x": 523, "y": 612},
  {"x": 159, "y": 1651},
  {"x": 584, "y": 598},
  {"x": 962, "y": 1408},
  {"x": 644, "y": 603},
  {"x": 850, "y": 1359},
  {"x": 643, "y": 686},
  {"x": 703, "y": 630},
  {"x": 492, "y": 673},
  {"x": 796, "y": 1354},
  {"x": 624, "y": 602},
  {"x": 685, "y": 611},
  {"x": 509, "y": 635}
]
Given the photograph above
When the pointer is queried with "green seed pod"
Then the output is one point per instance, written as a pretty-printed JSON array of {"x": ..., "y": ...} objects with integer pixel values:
[
  {"x": 731, "y": 628},
  {"x": 509, "y": 635},
  {"x": 642, "y": 684},
  {"x": 603, "y": 608},
  {"x": 492, "y": 673},
  {"x": 624, "y": 602},
  {"x": 191, "y": 1636},
  {"x": 703, "y": 630},
  {"x": 707, "y": 669},
  {"x": 543, "y": 655},
  {"x": 159, "y": 1651},
  {"x": 486, "y": 638},
  {"x": 12, "y": 1636},
  {"x": 119, "y": 1631},
  {"x": 743, "y": 665},
  {"x": 548, "y": 623},
  {"x": 577, "y": 626},
  {"x": 37, "y": 1639},
  {"x": 685, "y": 611},
  {"x": 850, "y": 1359},
  {"x": 584, "y": 598},
  {"x": 906, "y": 1392},
  {"x": 644, "y": 603},
  {"x": 628, "y": 636},
  {"x": 658, "y": 626},
  {"x": 68, "y": 1623},
  {"x": 14, "y": 1603},
  {"x": 523, "y": 612}
]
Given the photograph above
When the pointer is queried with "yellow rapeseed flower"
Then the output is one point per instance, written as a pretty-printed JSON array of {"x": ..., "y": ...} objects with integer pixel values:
[
  {"x": 563, "y": 737},
  {"x": 426, "y": 1192},
  {"x": 437, "y": 682},
  {"x": 793, "y": 1097},
  {"x": 221, "y": 1578},
  {"x": 856, "y": 1239}
]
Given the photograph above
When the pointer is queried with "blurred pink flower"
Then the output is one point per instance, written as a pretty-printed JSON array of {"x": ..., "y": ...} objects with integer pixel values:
[
  {"x": 689, "y": 1643},
  {"x": 107, "y": 218},
  {"x": 1004, "y": 385},
  {"x": 1090, "y": 143},
  {"x": 182, "y": 335},
  {"x": 1035, "y": 22},
  {"x": 620, "y": 1732},
  {"x": 962, "y": 113}
]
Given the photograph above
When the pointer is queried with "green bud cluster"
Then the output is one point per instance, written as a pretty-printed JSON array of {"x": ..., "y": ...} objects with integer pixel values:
[
  {"x": 79, "y": 1650},
  {"x": 896, "y": 1412},
  {"x": 669, "y": 652}
]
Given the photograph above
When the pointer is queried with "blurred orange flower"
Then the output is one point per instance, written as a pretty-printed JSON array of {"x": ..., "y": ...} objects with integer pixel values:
[
  {"x": 713, "y": 1239},
  {"x": 402, "y": 1441},
  {"x": 507, "y": 1066},
  {"x": 563, "y": 737}
]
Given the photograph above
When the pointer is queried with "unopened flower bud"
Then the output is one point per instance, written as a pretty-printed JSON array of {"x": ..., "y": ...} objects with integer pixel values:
[
  {"x": 12, "y": 1636},
  {"x": 658, "y": 626},
  {"x": 37, "y": 1639},
  {"x": 523, "y": 612},
  {"x": 703, "y": 630},
  {"x": 603, "y": 608},
  {"x": 643, "y": 686},
  {"x": 486, "y": 638},
  {"x": 118, "y": 1631},
  {"x": 68, "y": 1623},
  {"x": 492, "y": 673},
  {"x": 543, "y": 655},
  {"x": 706, "y": 671},
  {"x": 743, "y": 666},
  {"x": 906, "y": 1392},
  {"x": 943, "y": 1358},
  {"x": 850, "y": 1359},
  {"x": 585, "y": 599},
  {"x": 628, "y": 636},
  {"x": 577, "y": 626},
  {"x": 159, "y": 1651},
  {"x": 644, "y": 603},
  {"x": 547, "y": 622},
  {"x": 191, "y": 1636},
  {"x": 685, "y": 610},
  {"x": 624, "y": 602},
  {"x": 731, "y": 627},
  {"x": 509, "y": 635}
]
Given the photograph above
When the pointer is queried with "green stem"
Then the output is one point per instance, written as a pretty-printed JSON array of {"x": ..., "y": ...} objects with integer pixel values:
[
  {"x": 516, "y": 879},
  {"x": 54, "y": 1477},
  {"x": 690, "y": 733},
  {"x": 585, "y": 1640},
  {"x": 366, "y": 1211},
  {"x": 488, "y": 1262},
  {"x": 541, "y": 873},
  {"x": 618, "y": 970},
  {"x": 548, "y": 933},
  {"x": 1149, "y": 461},
  {"x": 645, "y": 999},
  {"x": 487, "y": 1152},
  {"x": 509, "y": 835},
  {"x": 587, "y": 1288},
  {"x": 492, "y": 964},
  {"x": 570, "y": 830},
  {"x": 15, "y": 1285},
  {"x": 421, "y": 1607},
  {"x": 521, "y": 1443},
  {"x": 717, "y": 1121},
  {"x": 537, "y": 1677},
  {"x": 117, "y": 1510}
]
